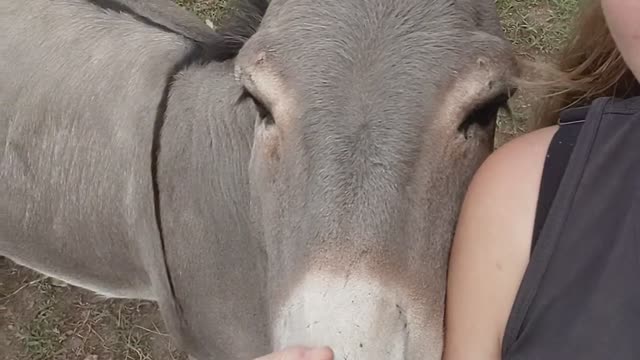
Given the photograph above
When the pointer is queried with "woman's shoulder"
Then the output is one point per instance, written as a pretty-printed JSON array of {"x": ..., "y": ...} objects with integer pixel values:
[
  {"x": 504, "y": 190},
  {"x": 514, "y": 167},
  {"x": 491, "y": 246}
]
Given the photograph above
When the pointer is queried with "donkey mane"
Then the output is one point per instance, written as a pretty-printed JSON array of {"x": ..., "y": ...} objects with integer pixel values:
[{"x": 240, "y": 23}]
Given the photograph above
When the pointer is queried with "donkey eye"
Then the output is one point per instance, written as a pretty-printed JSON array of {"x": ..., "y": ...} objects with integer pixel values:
[
  {"x": 264, "y": 114},
  {"x": 486, "y": 113}
]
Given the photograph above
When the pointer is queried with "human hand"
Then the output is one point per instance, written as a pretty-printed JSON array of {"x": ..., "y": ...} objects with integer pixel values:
[{"x": 300, "y": 353}]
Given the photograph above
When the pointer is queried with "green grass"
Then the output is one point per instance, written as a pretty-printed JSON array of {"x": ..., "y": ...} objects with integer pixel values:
[
  {"x": 44, "y": 339},
  {"x": 42, "y": 336}
]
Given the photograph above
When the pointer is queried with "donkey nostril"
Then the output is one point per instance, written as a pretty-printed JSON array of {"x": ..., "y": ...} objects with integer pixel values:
[{"x": 399, "y": 309}]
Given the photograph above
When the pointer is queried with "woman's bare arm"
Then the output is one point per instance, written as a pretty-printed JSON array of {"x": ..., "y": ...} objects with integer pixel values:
[{"x": 491, "y": 248}]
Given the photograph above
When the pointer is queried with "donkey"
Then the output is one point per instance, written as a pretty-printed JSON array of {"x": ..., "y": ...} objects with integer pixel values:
[{"x": 290, "y": 178}]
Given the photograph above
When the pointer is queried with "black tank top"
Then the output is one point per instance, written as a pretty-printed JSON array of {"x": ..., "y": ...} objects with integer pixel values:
[{"x": 580, "y": 295}]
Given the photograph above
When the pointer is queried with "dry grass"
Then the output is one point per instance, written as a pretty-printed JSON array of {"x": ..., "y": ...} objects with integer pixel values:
[
  {"x": 537, "y": 26},
  {"x": 537, "y": 29},
  {"x": 206, "y": 9},
  {"x": 41, "y": 321}
]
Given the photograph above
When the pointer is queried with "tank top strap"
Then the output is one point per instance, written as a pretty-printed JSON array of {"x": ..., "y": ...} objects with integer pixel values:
[{"x": 576, "y": 115}]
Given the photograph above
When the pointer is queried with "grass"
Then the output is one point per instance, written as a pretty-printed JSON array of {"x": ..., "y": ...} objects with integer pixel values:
[
  {"x": 43, "y": 321},
  {"x": 206, "y": 9},
  {"x": 537, "y": 29},
  {"x": 537, "y": 26},
  {"x": 44, "y": 338}
]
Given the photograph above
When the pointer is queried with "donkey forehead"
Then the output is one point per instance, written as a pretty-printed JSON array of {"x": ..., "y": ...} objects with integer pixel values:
[
  {"x": 481, "y": 13},
  {"x": 348, "y": 17},
  {"x": 314, "y": 39}
]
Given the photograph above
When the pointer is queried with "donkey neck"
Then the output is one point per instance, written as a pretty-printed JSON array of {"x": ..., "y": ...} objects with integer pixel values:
[{"x": 204, "y": 196}]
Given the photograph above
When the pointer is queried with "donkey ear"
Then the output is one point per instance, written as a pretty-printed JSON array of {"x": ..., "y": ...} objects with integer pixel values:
[
  {"x": 243, "y": 20},
  {"x": 244, "y": 16},
  {"x": 482, "y": 14},
  {"x": 225, "y": 41}
]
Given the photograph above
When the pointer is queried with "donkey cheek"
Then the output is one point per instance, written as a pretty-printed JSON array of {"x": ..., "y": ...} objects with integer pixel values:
[{"x": 271, "y": 146}]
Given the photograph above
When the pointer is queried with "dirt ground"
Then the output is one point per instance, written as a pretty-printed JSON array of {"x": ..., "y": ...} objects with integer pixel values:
[{"x": 41, "y": 319}]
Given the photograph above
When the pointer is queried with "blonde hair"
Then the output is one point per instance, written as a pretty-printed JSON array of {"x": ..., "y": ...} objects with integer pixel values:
[{"x": 588, "y": 67}]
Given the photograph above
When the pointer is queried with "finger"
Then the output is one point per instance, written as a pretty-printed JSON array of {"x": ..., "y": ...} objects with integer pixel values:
[
  {"x": 321, "y": 353},
  {"x": 300, "y": 353},
  {"x": 296, "y": 353}
]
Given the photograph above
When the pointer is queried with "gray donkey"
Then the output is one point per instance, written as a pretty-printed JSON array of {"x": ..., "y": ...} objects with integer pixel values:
[{"x": 292, "y": 178}]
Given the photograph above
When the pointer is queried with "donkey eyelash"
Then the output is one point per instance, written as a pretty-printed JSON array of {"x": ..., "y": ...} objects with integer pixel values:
[
  {"x": 263, "y": 111},
  {"x": 485, "y": 113}
]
